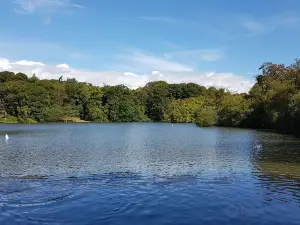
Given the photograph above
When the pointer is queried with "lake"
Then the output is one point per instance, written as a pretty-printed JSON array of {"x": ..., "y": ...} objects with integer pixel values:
[{"x": 147, "y": 173}]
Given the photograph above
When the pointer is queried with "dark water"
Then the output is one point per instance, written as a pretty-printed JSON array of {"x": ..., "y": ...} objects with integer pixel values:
[{"x": 147, "y": 174}]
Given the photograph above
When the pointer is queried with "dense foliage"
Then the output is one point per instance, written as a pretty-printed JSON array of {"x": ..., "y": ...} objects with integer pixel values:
[{"x": 273, "y": 102}]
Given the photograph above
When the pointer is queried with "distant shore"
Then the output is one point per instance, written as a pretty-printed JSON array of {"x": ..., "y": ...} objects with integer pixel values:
[{"x": 63, "y": 120}]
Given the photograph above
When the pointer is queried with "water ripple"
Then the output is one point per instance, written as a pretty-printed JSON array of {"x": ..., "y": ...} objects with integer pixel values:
[{"x": 147, "y": 174}]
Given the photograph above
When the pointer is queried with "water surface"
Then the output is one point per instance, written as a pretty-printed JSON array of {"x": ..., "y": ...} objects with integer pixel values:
[{"x": 147, "y": 173}]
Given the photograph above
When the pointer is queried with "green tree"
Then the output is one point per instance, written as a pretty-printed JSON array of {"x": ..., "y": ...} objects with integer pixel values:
[
  {"x": 158, "y": 99},
  {"x": 233, "y": 110},
  {"x": 183, "y": 111},
  {"x": 206, "y": 117}
]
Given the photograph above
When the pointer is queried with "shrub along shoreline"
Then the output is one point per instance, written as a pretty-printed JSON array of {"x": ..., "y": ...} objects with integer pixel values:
[{"x": 272, "y": 103}]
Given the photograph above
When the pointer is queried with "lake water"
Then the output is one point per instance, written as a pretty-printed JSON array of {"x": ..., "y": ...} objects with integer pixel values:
[{"x": 147, "y": 173}]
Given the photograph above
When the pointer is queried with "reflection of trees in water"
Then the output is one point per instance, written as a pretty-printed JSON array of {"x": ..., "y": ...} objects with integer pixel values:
[
  {"x": 278, "y": 154},
  {"x": 279, "y": 148},
  {"x": 277, "y": 161}
]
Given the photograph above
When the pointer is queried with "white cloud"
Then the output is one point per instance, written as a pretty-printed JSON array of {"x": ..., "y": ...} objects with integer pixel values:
[
  {"x": 133, "y": 80},
  {"x": 198, "y": 55},
  {"x": 228, "y": 81},
  {"x": 64, "y": 66},
  {"x": 228, "y": 24},
  {"x": 28, "y": 63},
  {"x": 4, "y": 64},
  {"x": 130, "y": 74},
  {"x": 255, "y": 27},
  {"x": 135, "y": 58},
  {"x": 284, "y": 20},
  {"x": 31, "y": 6}
]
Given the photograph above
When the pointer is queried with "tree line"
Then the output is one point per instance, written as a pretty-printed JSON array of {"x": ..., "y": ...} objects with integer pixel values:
[{"x": 272, "y": 103}]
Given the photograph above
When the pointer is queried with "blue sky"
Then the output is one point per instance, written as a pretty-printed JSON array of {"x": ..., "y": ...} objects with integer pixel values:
[{"x": 211, "y": 42}]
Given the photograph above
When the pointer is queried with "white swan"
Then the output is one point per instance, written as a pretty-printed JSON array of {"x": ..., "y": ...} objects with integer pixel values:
[{"x": 6, "y": 137}]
